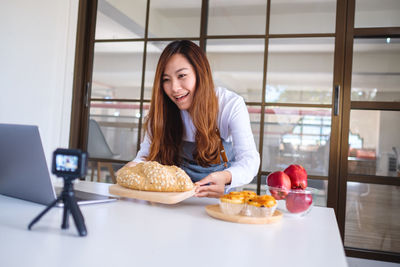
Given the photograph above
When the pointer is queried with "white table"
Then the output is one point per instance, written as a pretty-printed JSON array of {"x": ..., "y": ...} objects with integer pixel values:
[{"x": 138, "y": 233}]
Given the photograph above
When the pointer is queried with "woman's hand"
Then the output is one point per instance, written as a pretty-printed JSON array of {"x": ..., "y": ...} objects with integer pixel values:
[{"x": 213, "y": 185}]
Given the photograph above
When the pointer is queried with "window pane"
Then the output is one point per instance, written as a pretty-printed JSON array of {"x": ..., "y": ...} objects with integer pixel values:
[
  {"x": 174, "y": 18},
  {"x": 255, "y": 118},
  {"x": 372, "y": 217},
  {"x": 372, "y": 13},
  {"x": 107, "y": 169},
  {"x": 145, "y": 112},
  {"x": 374, "y": 143},
  {"x": 238, "y": 65},
  {"x": 117, "y": 70},
  {"x": 292, "y": 16},
  {"x": 235, "y": 17},
  {"x": 120, "y": 19},
  {"x": 286, "y": 142},
  {"x": 376, "y": 69},
  {"x": 300, "y": 70},
  {"x": 118, "y": 124},
  {"x": 154, "y": 50}
]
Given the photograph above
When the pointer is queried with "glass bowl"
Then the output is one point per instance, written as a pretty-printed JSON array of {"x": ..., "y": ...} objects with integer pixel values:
[{"x": 293, "y": 202}]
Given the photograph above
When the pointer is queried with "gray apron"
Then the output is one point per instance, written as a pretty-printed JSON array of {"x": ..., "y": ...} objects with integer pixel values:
[{"x": 197, "y": 172}]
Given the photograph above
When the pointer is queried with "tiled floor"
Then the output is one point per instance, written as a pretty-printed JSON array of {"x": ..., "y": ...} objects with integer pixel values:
[{"x": 373, "y": 217}]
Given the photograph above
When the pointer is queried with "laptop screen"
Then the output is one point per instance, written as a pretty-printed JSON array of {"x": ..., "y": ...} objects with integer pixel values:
[{"x": 23, "y": 168}]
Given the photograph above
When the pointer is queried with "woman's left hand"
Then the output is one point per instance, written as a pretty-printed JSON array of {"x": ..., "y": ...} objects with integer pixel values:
[{"x": 213, "y": 185}]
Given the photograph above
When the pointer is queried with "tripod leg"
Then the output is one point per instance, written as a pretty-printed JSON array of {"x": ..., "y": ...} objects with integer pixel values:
[
  {"x": 65, "y": 221},
  {"x": 77, "y": 215},
  {"x": 37, "y": 218}
]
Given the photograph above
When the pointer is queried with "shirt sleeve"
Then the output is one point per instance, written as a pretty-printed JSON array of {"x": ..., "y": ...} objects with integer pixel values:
[
  {"x": 247, "y": 159},
  {"x": 144, "y": 149}
]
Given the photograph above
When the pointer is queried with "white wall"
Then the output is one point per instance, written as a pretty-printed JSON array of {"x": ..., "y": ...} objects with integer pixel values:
[{"x": 37, "y": 50}]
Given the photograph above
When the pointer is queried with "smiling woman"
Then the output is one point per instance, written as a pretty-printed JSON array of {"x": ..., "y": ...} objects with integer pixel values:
[{"x": 192, "y": 124}]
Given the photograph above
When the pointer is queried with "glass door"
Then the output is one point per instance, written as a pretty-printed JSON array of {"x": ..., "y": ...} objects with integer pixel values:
[
  {"x": 320, "y": 80},
  {"x": 369, "y": 208},
  {"x": 280, "y": 57}
]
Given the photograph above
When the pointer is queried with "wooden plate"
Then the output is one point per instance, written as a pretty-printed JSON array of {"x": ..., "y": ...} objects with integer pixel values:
[
  {"x": 159, "y": 197},
  {"x": 215, "y": 211}
]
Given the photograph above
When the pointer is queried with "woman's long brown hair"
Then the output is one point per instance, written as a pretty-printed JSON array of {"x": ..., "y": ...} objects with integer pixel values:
[{"x": 164, "y": 123}]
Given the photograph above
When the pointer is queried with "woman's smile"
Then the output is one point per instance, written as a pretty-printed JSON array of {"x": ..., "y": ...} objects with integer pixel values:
[{"x": 182, "y": 98}]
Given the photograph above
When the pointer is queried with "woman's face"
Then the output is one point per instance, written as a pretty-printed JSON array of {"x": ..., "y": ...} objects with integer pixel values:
[{"x": 179, "y": 81}]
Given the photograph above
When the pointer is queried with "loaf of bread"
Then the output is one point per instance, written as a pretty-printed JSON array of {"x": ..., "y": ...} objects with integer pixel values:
[{"x": 152, "y": 176}]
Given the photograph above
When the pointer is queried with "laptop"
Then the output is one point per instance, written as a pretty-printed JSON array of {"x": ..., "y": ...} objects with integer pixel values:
[{"x": 23, "y": 168}]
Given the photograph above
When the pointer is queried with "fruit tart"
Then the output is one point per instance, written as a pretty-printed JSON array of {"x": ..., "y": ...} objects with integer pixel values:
[
  {"x": 261, "y": 206},
  {"x": 232, "y": 203}
]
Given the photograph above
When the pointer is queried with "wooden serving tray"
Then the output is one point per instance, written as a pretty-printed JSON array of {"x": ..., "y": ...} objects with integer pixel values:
[
  {"x": 159, "y": 197},
  {"x": 215, "y": 211}
]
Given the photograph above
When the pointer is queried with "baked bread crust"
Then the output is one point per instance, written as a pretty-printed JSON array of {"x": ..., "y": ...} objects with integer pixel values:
[{"x": 152, "y": 176}]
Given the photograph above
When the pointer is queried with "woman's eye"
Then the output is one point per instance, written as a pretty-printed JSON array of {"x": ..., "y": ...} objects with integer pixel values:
[
  {"x": 181, "y": 75},
  {"x": 165, "y": 80}
]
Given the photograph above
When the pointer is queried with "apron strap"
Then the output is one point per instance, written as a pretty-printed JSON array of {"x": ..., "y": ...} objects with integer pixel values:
[{"x": 222, "y": 150}]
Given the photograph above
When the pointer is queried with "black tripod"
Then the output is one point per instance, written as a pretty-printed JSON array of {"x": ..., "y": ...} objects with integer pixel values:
[{"x": 70, "y": 206}]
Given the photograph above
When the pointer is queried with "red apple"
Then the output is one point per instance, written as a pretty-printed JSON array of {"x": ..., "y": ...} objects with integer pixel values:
[
  {"x": 299, "y": 201},
  {"x": 281, "y": 182},
  {"x": 298, "y": 176}
]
